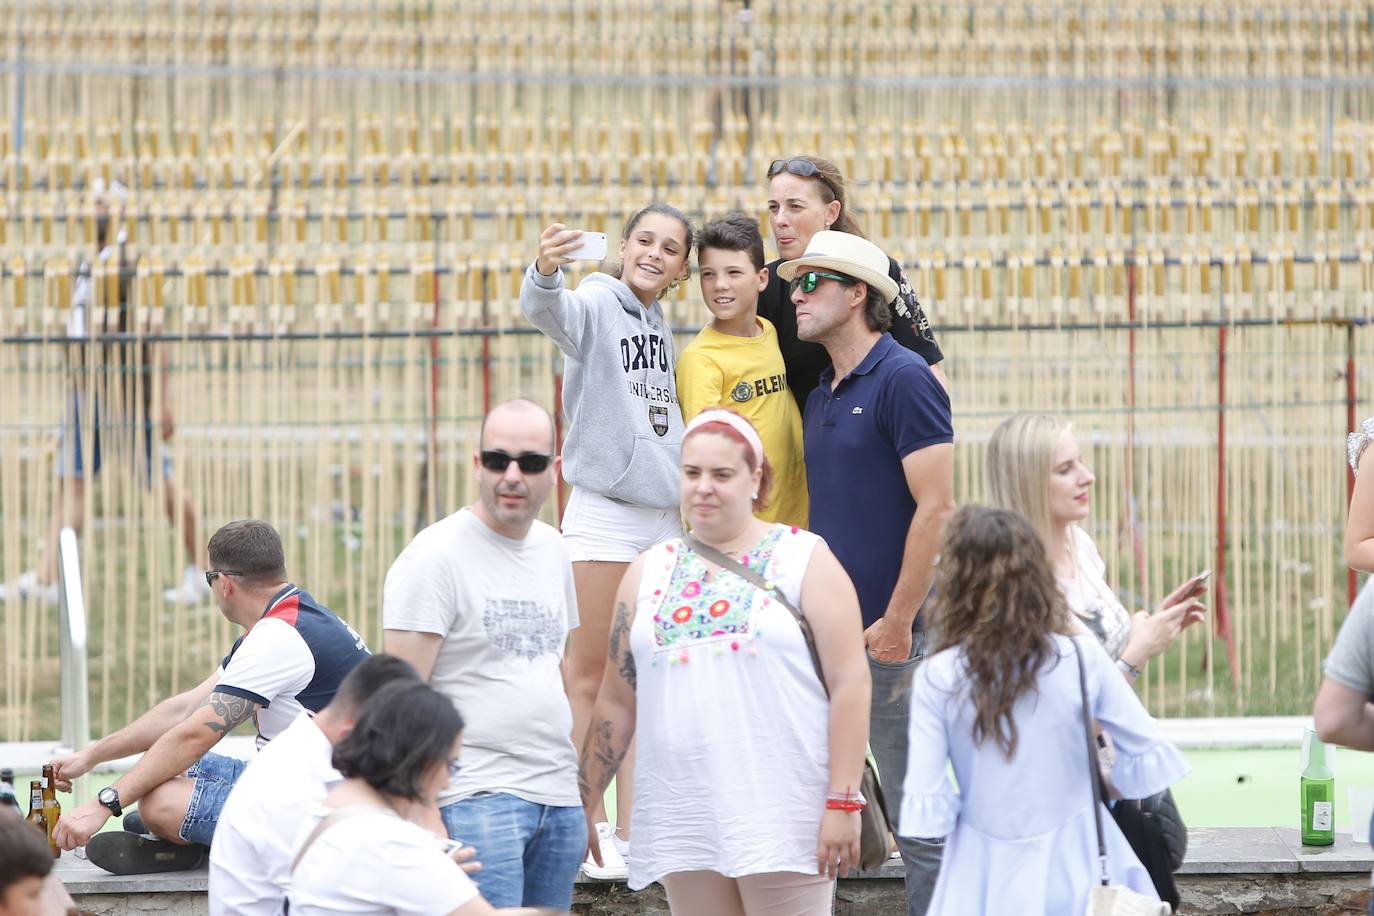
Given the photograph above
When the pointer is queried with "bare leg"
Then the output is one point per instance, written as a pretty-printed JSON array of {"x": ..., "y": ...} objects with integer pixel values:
[
  {"x": 595, "y": 583},
  {"x": 171, "y": 492},
  {"x": 69, "y": 512},
  {"x": 164, "y": 808}
]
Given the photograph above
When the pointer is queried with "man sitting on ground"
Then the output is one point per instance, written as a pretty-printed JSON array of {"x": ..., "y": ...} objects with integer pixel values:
[{"x": 293, "y": 657}]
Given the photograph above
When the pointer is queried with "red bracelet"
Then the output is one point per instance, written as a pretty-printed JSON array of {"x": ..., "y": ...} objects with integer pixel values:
[{"x": 835, "y": 804}]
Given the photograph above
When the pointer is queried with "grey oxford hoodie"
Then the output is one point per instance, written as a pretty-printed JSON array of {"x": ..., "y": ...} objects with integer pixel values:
[{"x": 624, "y": 436}]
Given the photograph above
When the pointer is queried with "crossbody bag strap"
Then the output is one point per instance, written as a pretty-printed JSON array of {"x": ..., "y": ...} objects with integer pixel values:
[
  {"x": 768, "y": 588},
  {"x": 339, "y": 814},
  {"x": 1092, "y": 763}
]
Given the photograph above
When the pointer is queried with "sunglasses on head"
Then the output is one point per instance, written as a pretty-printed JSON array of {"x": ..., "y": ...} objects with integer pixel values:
[
  {"x": 529, "y": 462},
  {"x": 802, "y": 168},
  {"x": 808, "y": 281}
]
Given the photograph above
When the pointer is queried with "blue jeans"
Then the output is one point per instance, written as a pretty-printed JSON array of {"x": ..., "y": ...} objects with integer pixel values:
[
  {"x": 215, "y": 775},
  {"x": 888, "y": 738},
  {"x": 530, "y": 853}
]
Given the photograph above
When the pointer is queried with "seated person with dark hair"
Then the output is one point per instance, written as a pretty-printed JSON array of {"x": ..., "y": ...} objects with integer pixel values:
[
  {"x": 27, "y": 885},
  {"x": 365, "y": 853},
  {"x": 293, "y": 657}
]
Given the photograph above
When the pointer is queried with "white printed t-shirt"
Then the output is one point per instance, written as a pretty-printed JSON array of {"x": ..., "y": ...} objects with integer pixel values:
[
  {"x": 291, "y": 659},
  {"x": 250, "y": 860},
  {"x": 504, "y": 608},
  {"x": 375, "y": 865}
]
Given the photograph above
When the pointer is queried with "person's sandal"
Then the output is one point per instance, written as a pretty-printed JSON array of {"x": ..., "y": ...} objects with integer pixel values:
[{"x": 124, "y": 853}]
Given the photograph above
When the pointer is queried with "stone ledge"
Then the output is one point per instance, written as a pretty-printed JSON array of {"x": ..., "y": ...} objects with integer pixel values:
[{"x": 1256, "y": 870}]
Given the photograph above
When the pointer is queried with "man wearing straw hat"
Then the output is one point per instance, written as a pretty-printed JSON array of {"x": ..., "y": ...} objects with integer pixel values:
[
  {"x": 879, "y": 446},
  {"x": 292, "y": 658},
  {"x": 481, "y": 604}
]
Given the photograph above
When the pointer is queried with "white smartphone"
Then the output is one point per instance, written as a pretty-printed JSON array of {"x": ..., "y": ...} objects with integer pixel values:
[{"x": 592, "y": 247}]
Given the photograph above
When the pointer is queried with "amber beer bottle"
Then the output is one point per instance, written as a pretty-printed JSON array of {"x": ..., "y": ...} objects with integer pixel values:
[
  {"x": 36, "y": 806},
  {"x": 52, "y": 809}
]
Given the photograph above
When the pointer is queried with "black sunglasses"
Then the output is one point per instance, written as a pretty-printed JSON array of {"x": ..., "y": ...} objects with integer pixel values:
[
  {"x": 812, "y": 278},
  {"x": 530, "y": 462},
  {"x": 212, "y": 574},
  {"x": 802, "y": 168}
]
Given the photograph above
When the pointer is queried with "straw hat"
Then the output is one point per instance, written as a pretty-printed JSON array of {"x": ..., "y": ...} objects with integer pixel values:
[{"x": 847, "y": 254}]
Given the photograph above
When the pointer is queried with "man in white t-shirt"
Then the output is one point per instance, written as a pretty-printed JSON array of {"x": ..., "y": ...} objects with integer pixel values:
[
  {"x": 293, "y": 657},
  {"x": 250, "y": 860},
  {"x": 481, "y": 604}
]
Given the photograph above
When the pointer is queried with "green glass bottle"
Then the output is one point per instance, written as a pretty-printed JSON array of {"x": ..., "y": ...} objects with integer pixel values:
[{"x": 1318, "y": 789}]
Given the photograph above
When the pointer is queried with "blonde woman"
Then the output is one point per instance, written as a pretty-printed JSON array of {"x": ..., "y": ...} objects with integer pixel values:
[{"x": 1035, "y": 467}]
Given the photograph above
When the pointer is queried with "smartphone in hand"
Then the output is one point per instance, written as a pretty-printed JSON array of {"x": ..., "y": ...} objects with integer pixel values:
[{"x": 593, "y": 247}]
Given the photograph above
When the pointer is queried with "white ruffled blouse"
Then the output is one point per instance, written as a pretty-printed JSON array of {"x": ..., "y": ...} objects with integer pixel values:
[{"x": 1022, "y": 829}]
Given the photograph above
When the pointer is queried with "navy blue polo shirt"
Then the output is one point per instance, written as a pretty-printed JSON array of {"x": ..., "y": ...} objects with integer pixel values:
[{"x": 856, "y": 436}]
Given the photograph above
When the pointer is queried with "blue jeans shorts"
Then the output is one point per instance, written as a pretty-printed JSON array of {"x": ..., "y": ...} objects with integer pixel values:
[{"x": 215, "y": 775}]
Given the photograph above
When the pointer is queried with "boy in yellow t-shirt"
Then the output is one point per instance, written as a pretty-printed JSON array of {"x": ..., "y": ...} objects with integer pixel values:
[{"x": 735, "y": 361}]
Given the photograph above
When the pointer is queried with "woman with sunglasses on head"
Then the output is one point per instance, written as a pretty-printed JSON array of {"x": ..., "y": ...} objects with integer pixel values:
[
  {"x": 1002, "y": 699},
  {"x": 805, "y": 195},
  {"x": 364, "y": 852},
  {"x": 747, "y": 801},
  {"x": 624, "y": 431}
]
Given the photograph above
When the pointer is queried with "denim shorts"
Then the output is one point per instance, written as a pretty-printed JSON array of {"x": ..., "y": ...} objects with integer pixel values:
[{"x": 215, "y": 775}]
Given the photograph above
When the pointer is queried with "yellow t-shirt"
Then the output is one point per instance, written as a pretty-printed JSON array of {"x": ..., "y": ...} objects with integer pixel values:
[{"x": 746, "y": 374}]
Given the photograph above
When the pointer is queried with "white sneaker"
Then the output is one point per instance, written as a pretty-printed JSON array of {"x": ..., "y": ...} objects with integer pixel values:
[
  {"x": 614, "y": 852},
  {"x": 191, "y": 590},
  {"x": 28, "y": 586}
]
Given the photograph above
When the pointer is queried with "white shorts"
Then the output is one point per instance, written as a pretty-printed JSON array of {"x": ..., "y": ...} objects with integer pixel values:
[{"x": 598, "y": 528}]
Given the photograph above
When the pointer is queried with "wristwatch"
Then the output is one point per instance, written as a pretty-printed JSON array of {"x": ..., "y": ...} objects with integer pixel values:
[{"x": 110, "y": 799}]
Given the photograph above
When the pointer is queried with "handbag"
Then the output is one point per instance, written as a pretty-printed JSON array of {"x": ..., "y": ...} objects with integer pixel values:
[
  {"x": 1107, "y": 899},
  {"x": 875, "y": 830}
]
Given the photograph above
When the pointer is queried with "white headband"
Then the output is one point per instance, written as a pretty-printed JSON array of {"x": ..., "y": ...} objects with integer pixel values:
[{"x": 735, "y": 422}]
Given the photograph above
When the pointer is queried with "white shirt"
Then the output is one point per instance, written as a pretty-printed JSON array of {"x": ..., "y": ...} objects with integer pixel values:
[
  {"x": 504, "y": 608},
  {"x": 377, "y": 865},
  {"x": 250, "y": 860}
]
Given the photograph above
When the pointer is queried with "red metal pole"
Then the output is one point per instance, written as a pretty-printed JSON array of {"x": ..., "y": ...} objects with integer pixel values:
[
  {"x": 1221, "y": 609},
  {"x": 1350, "y": 578}
]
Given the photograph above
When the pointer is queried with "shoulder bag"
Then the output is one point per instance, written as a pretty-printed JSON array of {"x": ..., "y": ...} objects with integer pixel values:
[
  {"x": 875, "y": 831},
  {"x": 1107, "y": 899}
]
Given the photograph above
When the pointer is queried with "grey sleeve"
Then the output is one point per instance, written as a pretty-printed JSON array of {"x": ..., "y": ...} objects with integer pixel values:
[
  {"x": 564, "y": 316},
  {"x": 1351, "y": 662}
]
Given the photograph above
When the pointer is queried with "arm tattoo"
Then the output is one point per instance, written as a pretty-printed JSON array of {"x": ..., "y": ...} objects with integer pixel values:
[
  {"x": 601, "y": 757},
  {"x": 621, "y": 652},
  {"x": 231, "y": 711}
]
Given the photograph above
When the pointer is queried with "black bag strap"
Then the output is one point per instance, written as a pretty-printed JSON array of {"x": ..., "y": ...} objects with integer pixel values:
[
  {"x": 1092, "y": 764},
  {"x": 768, "y": 588}
]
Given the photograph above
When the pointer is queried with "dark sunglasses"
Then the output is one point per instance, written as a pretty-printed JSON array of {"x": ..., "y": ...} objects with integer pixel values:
[
  {"x": 802, "y": 168},
  {"x": 808, "y": 281},
  {"x": 212, "y": 574},
  {"x": 530, "y": 462}
]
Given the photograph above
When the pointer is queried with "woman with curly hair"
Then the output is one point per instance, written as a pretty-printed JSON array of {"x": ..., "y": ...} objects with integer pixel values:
[{"x": 1000, "y": 698}]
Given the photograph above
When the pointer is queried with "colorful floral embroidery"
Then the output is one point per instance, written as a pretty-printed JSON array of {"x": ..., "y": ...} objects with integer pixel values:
[{"x": 719, "y": 609}]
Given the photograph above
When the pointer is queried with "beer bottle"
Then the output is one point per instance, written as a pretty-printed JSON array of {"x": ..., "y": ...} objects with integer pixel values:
[
  {"x": 7, "y": 796},
  {"x": 36, "y": 806},
  {"x": 52, "y": 809}
]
